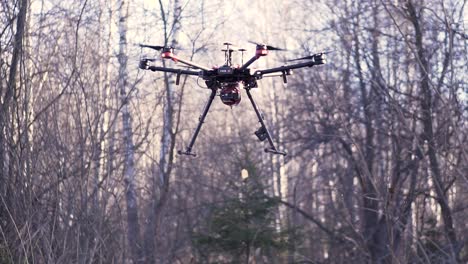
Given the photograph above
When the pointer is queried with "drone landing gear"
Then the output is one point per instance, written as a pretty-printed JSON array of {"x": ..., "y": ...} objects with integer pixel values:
[
  {"x": 262, "y": 133},
  {"x": 188, "y": 150}
]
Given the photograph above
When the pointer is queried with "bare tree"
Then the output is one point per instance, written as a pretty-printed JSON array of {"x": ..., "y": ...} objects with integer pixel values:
[
  {"x": 162, "y": 170},
  {"x": 428, "y": 136},
  {"x": 131, "y": 197}
]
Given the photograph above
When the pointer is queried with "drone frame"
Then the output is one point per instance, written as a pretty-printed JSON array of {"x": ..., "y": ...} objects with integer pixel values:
[{"x": 216, "y": 77}]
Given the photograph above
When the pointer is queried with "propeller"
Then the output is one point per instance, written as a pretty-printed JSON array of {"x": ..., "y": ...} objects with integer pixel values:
[
  {"x": 152, "y": 46},
  {"x": 268, "y": 47},
  {"x": 313, "y": 56}
]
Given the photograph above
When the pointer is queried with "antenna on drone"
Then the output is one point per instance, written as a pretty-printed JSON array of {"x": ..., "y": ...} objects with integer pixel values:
[
  {"x": 242, "y": 55},
  {"x": 228, "y": 53}
]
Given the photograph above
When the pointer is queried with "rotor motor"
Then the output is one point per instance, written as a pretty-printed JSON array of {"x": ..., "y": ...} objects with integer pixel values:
[{"x": 230, "y": 94}]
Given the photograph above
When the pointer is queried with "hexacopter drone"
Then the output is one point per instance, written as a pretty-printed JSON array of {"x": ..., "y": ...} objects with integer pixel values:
[{"x": 229, "y": 80}]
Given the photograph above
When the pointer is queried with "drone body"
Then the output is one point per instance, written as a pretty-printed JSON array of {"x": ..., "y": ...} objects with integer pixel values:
[{"x": 229, "y": 80}]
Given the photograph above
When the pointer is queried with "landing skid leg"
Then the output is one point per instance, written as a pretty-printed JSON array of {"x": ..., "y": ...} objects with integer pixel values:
[
  {"x": 188, "y": 150},
  {"x": 262, "y": 133}
]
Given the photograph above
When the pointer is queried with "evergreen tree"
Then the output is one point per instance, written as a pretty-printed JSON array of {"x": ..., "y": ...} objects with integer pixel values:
[{"x": 241, "y": 226}]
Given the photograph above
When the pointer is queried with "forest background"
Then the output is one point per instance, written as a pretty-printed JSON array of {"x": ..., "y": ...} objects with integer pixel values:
[{"x": 377, "y": 170}]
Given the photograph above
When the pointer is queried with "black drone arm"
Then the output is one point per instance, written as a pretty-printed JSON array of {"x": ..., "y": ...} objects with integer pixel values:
[
  {"x": 144, "y": 66},
  {"x": 171, "y": 70},
  {"x": 287, "y": 68},
  {"x": 247, "y": 64},
  {"x": 315, "y": 59},
  {"x": 260, "y": 51},
  {"x": 168, "y": 53}
]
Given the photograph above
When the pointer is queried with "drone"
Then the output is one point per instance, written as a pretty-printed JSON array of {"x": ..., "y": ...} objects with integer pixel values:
[{"x": 228, "y": 80}]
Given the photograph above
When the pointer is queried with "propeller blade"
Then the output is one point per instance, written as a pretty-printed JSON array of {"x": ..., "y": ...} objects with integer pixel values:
[
  {"x": 151, "y": 46},
  {"x": 269, "y": 47},
  {"x": 312, "y": 56},
  {"x": 274, "y": 48}
]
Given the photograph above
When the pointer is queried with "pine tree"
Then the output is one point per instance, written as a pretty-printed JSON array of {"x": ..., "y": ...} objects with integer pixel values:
[{"x": 241, "y": 226}]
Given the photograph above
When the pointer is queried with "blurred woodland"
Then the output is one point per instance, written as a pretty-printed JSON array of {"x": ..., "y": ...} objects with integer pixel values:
[{"x": 377, "y": 165}]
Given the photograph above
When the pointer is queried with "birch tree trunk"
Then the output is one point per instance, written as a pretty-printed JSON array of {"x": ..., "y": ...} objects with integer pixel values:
[{"x": 133, "y": 231}]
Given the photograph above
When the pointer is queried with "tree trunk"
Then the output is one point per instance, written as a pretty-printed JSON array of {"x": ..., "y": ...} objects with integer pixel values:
[
  {"x": 10, "y": 92},
  {"x": 428, "y": 134},
  {"x": 374, "y": 229},
  {"x": 8, "y": 192},
  {"x": 161, "y": 176},
  {"x": 129, "y": 166}
]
